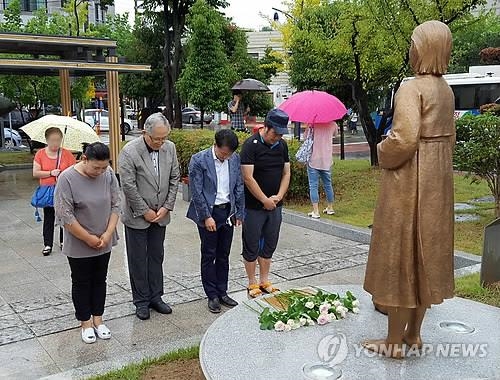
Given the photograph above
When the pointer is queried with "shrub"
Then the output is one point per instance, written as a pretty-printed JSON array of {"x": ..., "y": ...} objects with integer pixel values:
[
  {"x": 191, "y": 142},
  {"x": 477, "y": 150}
]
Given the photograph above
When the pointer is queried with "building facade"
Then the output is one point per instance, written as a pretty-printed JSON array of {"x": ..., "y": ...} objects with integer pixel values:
[
  {"x": 258, "y": 42},
  {"x": 96, "y": 13}
]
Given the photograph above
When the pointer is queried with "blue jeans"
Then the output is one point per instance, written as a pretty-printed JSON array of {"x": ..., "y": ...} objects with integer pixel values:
[{"x": 314, "y": 175}]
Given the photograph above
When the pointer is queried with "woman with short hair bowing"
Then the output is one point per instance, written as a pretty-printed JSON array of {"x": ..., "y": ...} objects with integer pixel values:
[{"x": 87, "y": 204}]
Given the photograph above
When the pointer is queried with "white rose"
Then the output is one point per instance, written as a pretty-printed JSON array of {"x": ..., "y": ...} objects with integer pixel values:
[
  {"x": 290, "y": 322},
  {"x": 355, "y": 303},
  {"x": 332, "y": 316},
  {"x": 296, "y": 325},
  {"x": 337, "y": 303},
  {"x": 279, "y": 326},
  {"x": 310, "y": 322},
  {"x": 355, "y": 310},
  {"x": 310, "y": 305},
  {"x": 288, "y": 328},
  {"x": 303, "y": 321}
]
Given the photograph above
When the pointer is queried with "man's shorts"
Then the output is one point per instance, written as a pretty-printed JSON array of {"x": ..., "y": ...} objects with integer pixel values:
[{"x": 261, "y": 230}]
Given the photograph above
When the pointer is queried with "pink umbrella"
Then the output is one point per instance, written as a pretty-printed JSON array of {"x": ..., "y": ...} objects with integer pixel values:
[{"x": 313, "y": 107}]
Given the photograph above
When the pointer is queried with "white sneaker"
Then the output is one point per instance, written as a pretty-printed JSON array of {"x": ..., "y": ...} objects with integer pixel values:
[
  {"x": 314, "y": 215},
  {"x": 102, "y": 332},
  {"x": 328, "y": 211},
  {"x": 88, "y": 335}
]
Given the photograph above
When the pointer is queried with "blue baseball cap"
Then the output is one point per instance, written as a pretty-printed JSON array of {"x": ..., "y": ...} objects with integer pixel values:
[{"x": 277, "y": 120}]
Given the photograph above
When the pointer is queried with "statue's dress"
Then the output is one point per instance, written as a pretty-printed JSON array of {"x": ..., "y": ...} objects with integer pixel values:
[{"x": 410, "y": 262}]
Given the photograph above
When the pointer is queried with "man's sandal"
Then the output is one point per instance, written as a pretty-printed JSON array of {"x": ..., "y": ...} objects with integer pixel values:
[
  {"x": 268, "y": 288},
  {"x": 254, "y": 291}
]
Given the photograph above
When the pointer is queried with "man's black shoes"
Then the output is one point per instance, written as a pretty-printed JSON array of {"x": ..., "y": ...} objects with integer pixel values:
[
  {"x": 161, "y": 307},
  {"x": 228, "y": 301},
  {"x": 142, "y": 313},
  {"x": 214, "y": 305}
]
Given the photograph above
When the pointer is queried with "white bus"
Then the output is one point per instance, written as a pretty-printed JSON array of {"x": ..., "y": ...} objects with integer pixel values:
[{"x": 472, "y": 91}]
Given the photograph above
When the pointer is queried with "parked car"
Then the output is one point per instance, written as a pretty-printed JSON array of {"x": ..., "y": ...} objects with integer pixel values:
[
  {"x": 130, "y": 113},
  {"x": 91, "y": 117},
  {"x": 191, "y": 115},
  {"x": 18, "y": 118},
  {"x": 12, "y": 138}
]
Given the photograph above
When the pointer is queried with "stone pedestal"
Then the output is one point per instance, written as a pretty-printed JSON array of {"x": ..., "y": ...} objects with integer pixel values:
[{"x": 235, "y": 348}]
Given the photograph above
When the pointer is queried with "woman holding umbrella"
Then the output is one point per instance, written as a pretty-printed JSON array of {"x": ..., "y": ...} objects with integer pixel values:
[
  {"x": 319, "y": 166},
  {"x": 319, "y": 110},
  {"x": 47, "y": 165}
]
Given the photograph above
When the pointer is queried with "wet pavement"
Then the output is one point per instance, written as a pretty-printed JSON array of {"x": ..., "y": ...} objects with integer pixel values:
[{"x": 37, "y": 325}]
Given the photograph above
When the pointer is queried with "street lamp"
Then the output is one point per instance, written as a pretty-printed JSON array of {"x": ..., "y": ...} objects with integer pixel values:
[{"x": 276, "y": 16}]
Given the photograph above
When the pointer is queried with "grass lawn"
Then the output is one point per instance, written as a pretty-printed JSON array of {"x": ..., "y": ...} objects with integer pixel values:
[
  {"x": 468, "y": 287},
  {"x": 177, "y": 365},
  {"x": 7, "y": 158},
  {"x": 356, "y": 186}
]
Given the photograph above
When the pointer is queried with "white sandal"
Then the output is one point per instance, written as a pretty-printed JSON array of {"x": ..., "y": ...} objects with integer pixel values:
[
  {"x": 328, "y": 212},
  {"x": 314, "y": 215},
  {"x": 103, "y": 332},
  {"x": 88, "y": 335}
]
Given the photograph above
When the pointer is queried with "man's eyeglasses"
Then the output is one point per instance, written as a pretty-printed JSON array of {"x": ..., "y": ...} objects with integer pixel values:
[{"x": 157, "y": 139}]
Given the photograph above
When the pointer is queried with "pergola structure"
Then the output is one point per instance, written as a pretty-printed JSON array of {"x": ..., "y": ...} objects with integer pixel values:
[{"x": 70, "y": 56}]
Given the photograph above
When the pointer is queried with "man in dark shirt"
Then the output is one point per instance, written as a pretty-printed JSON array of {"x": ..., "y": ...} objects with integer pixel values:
[
  {"x": 237, "y": 111},
  {"x": 266, "y": 172}
]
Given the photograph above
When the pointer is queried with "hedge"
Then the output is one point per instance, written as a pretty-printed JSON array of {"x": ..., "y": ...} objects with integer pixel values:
[{"x": 189, "y": 142}]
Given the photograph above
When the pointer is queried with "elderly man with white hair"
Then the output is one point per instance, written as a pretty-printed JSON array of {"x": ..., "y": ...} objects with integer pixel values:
[{"x": 149, "y": 173}]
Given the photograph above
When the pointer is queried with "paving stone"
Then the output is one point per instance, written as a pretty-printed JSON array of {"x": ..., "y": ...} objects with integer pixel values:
[
  {"x": 118, "y": 298},
  {"x": 54, "y": 325},
  {"x": 285, "y": 264},
  {"x": 10, "y": 320},
  {"x": 5, "y": 309},
  {"x": 332, "y": 265},
  {"x": 15, "y": 334},
  {"x": 181, "y": 297},
  {"x": 359, "y": 259},
  {"x": 187, "y": 280},
  {"x": 297, "y": 272},
  {"x": 171, "y": 286},
  {"x": 41, "y": 303},
  {"x": 51, "y": 312},
  {"x": 119, "y": 310}
]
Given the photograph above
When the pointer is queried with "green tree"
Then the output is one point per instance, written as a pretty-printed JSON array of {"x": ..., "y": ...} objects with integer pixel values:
[
  {"x": 146, "y": 47},
  {"x": 12, "y": 17},
  {"x": 470, "y": 36},
  {"x": 245, "y": 66},
  {"x": 173, "y": 15},
  {"x": 204, "y": 80},
  {"x": 360, "y": 45},
  {"x": 476, "y": 151}
]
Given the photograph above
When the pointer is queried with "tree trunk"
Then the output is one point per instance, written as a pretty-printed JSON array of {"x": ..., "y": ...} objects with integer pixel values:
[
  {"x": 76, "y": 19},
  {"x": 360, "y": 97},
  {"x": 497, "y": 206},
  {"x": 179, "y": 21},
  {"x": 373, "y": 136},
  {"x": 167, "y": 52}
]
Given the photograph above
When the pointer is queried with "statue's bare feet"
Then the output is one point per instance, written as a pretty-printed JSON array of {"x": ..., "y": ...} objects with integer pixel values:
[
  {"x": 380, "y": 346},
  {"x": 413, "y": 342}
]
